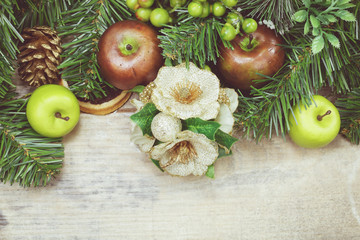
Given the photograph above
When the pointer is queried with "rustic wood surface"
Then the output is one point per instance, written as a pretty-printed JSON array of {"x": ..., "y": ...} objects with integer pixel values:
[{"x": 108, "y": 189}]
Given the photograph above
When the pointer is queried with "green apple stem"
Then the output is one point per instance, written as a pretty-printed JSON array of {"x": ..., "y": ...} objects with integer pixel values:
[
  {"x": 320, "y": 117},
  {"x": 58, "y": 115},
  {"x": 250, "y": 45}
]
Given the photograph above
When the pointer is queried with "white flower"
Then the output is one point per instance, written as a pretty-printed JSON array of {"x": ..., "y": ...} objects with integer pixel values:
[
  {"x": 189, "y": 153},
  {"x": 165, "y": 127},
  {"x": 227, "y": 108},
  {"x": 186, "y": 92}
]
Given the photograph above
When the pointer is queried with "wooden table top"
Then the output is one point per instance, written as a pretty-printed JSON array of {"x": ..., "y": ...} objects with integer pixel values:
[{"x": 109, "y": 189}]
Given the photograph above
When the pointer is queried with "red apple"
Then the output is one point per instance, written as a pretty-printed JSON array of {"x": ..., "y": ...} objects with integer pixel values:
[
  {"x": 129, "y": 54},
  {"x": 239, "y": 67}
]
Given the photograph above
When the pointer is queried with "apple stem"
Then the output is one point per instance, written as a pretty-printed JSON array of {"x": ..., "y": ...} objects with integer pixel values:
[
  {"x": 129, "y": 47},
  {"x": 320, "y": 117},
  {"x": 250, "y": 45},
  {"x": 58, "y": 115}
]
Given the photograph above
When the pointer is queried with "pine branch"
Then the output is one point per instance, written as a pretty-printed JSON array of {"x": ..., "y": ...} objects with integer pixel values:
[
  {"x": 267, "y": 109},
  {"x": 349, "y": 108},
  {"x": 26, "y": 157},
  {"x": 8, "y": 48},
  {"x": 192, "y": 40},
  {"x": 42, "y": 12},
  {"x": 84, "y": 24},
  {"x": 280, "y": 12}
]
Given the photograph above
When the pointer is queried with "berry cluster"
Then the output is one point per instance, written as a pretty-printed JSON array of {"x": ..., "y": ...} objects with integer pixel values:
[
  {"x": 158, "y": 16},
  {"x": 144, "y": 12}
]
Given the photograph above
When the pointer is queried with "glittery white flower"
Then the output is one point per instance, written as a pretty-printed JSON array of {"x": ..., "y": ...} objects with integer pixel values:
[
  {"x": 186, "y": 92},
  {"x": 189, "y": 153}
]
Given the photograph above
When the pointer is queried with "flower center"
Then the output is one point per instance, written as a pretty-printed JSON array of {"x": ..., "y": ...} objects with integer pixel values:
[
  {"x": 186, "y": 92},
  {"x": 182, "y": 152}
]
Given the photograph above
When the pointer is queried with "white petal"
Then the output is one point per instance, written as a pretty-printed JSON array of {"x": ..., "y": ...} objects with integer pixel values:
[
  {"x": 200, "y": 169},
  {"x": 158, "y": 151},
  {"x": 137, "y": 103},
  {"x": 225, "y": 118},
  {"x": 179, "y": 169},
  {"x": 144, "y": 143},
  {"x": 233, "y": 97}
]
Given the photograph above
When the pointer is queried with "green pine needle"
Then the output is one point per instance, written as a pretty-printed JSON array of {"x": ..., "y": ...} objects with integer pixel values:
[
  {"x": 83, "y": 26},
  {"x": 26, "y": 157}
]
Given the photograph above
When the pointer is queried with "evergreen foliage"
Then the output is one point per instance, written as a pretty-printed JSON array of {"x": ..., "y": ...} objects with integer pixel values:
[{"x": 26, "y": 157}]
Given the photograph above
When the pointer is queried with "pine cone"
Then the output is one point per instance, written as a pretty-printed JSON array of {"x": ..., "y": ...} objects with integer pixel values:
[{"x": 39, "y": 56}]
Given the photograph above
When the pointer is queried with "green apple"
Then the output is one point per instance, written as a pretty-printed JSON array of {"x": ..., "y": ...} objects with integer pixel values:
[
  {"x": 316, "y": 125},
  {"x": 53, "y": 110}
]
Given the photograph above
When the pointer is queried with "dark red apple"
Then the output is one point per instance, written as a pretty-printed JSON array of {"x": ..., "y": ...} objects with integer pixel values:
[
  {"x": 129, "y": 54},
  {"x": 239, "y": 67}
]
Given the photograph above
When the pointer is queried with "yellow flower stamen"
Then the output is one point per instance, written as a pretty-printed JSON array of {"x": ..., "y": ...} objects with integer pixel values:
[
  {"x": 182, "y": 152},
  {"x": 186, "y": 92}
]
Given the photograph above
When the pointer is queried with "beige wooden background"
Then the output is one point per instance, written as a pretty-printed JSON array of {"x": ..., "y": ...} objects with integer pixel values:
[{"x": 108, "y": 189}]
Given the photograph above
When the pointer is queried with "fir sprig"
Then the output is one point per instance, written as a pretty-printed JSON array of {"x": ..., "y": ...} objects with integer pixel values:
[
  {"x": 83, "y": 25},
  {"x": 194, "y": 40},
  {"x": 41, "y": 12},
  {"x": 8, "y": 48},
  {"x": 349, "y": 108},
  {"x": 280, "y": 12},
  {"x": 26, "y": 157}
]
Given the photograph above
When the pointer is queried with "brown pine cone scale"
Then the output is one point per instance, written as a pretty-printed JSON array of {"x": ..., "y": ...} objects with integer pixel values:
[{"x": 39, "y": 56}]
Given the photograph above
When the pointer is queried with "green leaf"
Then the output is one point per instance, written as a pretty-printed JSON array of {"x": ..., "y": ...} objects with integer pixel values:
[
  {"x": 346, "y": 6},
  {"x": 315, "y": 32},
  {"x": 211, "y": 171},
  {"x": 318, "y": 44},
  {"x": 306, "y": 27},
  {"x": 197, "y": 125},
  {"x": 314, "y": 21},
  {"x": 323, "y": 20},
  {"x": 144, "y": 117},
  {"x": 300, "y": 16},
  {"x": 341, "y": 2},
  {"x": 346, "y": 15},
  {"x": 225, "y": 140},
  {"x": 333, "y": 40},
  {"x": 157, "y": 163},
  {"x": 330, "y": 18},
  {"x": 307, "y": 3},
  {"x": 137, "y": 89}
]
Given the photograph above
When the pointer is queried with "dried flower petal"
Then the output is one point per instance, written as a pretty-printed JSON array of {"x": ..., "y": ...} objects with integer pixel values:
[{"x": 225, "y": 118}]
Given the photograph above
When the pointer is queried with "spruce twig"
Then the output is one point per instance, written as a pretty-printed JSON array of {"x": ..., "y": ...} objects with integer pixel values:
[
  {"x": 193, "y": 40},
  {"x": 26, "y": 157},
  {"x": 280, "y": 12},
  {"x": 349, "y": 108},
  {"x": 83, "y": 25},
  {"x": 41, "y": 12},
  {"x": 8, "y": 48}
]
